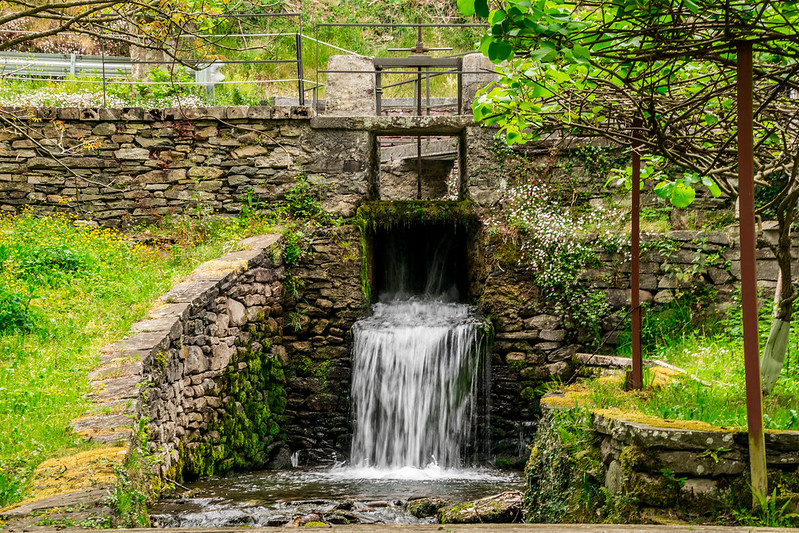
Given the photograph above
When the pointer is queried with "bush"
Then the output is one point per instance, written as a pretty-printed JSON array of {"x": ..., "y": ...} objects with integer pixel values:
[{"x": 15, "y": 315}]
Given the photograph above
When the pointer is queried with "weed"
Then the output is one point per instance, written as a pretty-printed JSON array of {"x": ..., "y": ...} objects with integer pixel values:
[{"x": 770, "y": 511}]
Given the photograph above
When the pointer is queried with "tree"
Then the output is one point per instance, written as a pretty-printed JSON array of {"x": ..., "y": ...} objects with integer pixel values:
[
  {"x": 589, "y": 68},
  {"x": 183, "y": 31}
]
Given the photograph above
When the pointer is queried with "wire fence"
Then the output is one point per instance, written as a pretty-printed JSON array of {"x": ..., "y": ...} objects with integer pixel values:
[{"x": 113, "y": 75}]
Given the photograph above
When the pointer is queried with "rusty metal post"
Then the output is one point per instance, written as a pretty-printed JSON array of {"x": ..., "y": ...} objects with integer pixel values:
[
  {"x": 637, "y": 376},
  {"x": 746, "y": 199}
]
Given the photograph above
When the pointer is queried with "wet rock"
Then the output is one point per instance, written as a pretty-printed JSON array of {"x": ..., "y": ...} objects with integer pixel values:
[
  {"x": 502, "y": 508},
  {"x": 425, "y": 507},
  {"x": 311, "y": 519},
  {"x": 341, "y": 518}
]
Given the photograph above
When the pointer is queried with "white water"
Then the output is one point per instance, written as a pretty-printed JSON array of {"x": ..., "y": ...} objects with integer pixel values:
[{"x": 417, "y": 371}]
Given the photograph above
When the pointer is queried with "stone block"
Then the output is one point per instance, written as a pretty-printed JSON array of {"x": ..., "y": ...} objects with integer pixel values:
[
  {"x": 132, "y": 154},
  {"x": 350, "y": 89}
]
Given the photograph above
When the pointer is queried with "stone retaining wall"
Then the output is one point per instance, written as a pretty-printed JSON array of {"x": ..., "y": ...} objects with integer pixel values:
[
  {"x": 200, "y": 382},
  {"x": 534, "y": 346},
  {"x": 319, "y": 314},
  {"x": 144, "y": 165},
  {"x": 697, "y": 470}
]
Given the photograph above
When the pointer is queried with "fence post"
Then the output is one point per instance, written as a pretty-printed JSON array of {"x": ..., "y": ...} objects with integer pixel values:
[{"x": 300, "y": 83}]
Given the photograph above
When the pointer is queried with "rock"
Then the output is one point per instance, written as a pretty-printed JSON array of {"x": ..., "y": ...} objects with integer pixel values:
[
  {"x": 133, "y": 154},
  {"x": 350, "y": 93},
  {"x": 281, "y": 460},
  {"x": 249, "y": 151},
  {"x": 502, "y": 508},
  {"x": 104, "y": 128},
  {"x": 425, "y": 507},
  {"x": 236, "y": 312}
]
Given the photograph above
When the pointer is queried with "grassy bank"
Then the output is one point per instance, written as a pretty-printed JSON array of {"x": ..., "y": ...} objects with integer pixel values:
[{"x": 66, "y": 291}]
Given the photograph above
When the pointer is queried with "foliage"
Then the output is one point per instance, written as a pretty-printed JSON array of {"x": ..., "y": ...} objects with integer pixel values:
[
  {"x": 663, "y": 77},
  {"x": 15, "y": 313},
  {"x": 564, "y": 474},
  {"x": 129, "y": 498},
  {"x": 770, "y": 511},
  {"x": 552, "y": 252}
]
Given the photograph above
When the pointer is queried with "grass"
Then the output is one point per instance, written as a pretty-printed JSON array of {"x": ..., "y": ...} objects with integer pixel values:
[
  {"x": 66, "y": 291},
  {"x": 709, "y": 346}
]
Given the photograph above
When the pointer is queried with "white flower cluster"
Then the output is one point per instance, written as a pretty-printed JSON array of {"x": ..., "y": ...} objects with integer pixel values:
[{"x": 57, "y": 97}]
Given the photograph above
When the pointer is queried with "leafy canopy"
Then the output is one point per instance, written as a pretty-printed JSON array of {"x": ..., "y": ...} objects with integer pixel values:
[{"x": 589, "y": 68}]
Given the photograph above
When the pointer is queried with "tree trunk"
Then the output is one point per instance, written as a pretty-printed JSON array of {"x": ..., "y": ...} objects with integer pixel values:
[{"x": 777, "y": 343}]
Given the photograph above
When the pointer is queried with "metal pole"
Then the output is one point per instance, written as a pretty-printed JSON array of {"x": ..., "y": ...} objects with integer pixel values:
[
  {"x": 746, "y": 199},
  {"x": 300, "y": 83},
  {"x": 419, "y": 137},
  {"x": 102, "y": 51},
  {"x": 635, "y": 271},
  {"x": 427, "y": 88},
  {"x": 378, "y": 90}
]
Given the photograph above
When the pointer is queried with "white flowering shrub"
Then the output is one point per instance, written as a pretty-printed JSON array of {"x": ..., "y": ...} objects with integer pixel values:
[
  {"x": 558, "y": 245},
  {"x": 60, "y": 96}
]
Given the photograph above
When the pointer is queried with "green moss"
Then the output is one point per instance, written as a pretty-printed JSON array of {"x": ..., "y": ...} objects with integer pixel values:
[
  {"x": 630, "y": 458},
  {"x": 250, "y": 421},
  {"x": 316, "y": 524},
  {"x": 388, "y": 215},
  {"x": 366, "y": 286}
]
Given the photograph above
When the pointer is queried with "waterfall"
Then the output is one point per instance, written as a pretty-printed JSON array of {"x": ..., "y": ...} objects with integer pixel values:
[{"x": 418, "y": 377}]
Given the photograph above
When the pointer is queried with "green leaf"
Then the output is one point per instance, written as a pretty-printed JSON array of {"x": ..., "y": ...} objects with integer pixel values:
[
  {"x": 581, "y": 53},
  {"x": 664, "y": 189},
  {"x": 714, "y": 189},
  {"x": 514, "y": 138},
  {"x": 466, "y": 7},
  {"x": 682, "y": 195},
  {"x": 481, "y": 8},
  {"x": 545, "y": 53},
  {"x": 499, "y": 51},
  {"x": 496, "y": 16}
]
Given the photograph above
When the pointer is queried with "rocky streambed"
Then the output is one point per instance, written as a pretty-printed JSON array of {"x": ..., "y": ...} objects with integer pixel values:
[{"x": 345, "y": 496}]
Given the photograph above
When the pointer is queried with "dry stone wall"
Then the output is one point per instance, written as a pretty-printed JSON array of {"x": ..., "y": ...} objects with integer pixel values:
[
  {"x": 534, "y": 344},
  {"x": 326, "y": 300},
  {"x": 141, "y": 166},
  {"x": 200, "y": 382}
]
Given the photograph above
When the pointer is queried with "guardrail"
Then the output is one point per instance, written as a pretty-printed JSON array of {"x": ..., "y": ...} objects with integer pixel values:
[{"x": 32, "y": 65}]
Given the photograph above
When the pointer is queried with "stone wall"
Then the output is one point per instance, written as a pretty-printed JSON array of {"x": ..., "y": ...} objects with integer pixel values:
[
  {"x": 200, "y": 382},
  {"x": 326, "y": 300},
  {"x": 124, "y": 167},
  {"x": 144, "y": 165},
  {"x": 674, "y": 465}
]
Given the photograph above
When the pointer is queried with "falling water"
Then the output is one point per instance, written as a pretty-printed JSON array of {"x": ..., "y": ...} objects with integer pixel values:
[
  {"x": 418, "y": 361},
  {"x": 416, "y": 379}
]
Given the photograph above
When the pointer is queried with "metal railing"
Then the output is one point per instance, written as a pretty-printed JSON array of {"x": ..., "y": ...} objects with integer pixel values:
[{"x": 116, "y": 70}]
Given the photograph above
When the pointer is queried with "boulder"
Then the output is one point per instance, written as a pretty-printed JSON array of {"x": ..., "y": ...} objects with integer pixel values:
[
  {"x": 425, "y": 507},
  {"x": 502, "y": 508}
]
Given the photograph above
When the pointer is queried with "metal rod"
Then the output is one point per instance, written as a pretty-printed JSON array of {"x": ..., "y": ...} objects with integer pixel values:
[
  {"x": 378, "y": 91},
  {"x": 316, "y": 88},
  {"x": 637, "y": 374},
  {"x": 746, "y": 199},
  {"x": 316, "y": 39},
  {"x": 262, "y": 15},
  {"x": 300, "y": 89},
  {"x": 102, "y": 51},
  {"x": 427, "y": 83},
  {"x": 418, "y": 167}
]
